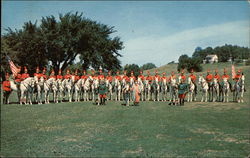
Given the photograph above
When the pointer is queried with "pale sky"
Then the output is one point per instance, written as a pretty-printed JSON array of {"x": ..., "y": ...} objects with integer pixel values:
[{"x": 157, "y": 32}]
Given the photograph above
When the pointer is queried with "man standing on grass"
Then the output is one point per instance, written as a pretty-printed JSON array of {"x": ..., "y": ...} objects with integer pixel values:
[
  {"x": 182, "y": 91},
  {"x": 6, "y": 89},
  {"x": 102, "y": 90}
]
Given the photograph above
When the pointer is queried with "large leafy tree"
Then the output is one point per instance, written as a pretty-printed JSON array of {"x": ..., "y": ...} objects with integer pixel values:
[
  {"x": 59, "y": 42},
  {"x": 132, "y": 67},
  {"x": 188, "y": 63}
]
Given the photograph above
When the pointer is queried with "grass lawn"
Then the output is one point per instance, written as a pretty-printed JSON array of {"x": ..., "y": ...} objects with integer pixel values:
[{"x": 153, "y": 129}]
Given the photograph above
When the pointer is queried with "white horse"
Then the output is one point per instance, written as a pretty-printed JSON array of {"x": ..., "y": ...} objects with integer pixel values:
[
  {"x": 78, "y": 89},
  {"x": 191, "y": 95},
  {"x": 225, "y": 90},
  {"x": 156, "y": 89},
  {"x": 204, "y": 88},
  {"x": 86, "y": 88},
  {"x": 124, "y": 83},
  {"x": 39, "y": 89},
  {"x": 47, "y": 87},
  {"x": 164, "y": 89},
  {"x": 26, "y": 88},
  {"x": 94, "y": 88},
  {"x": 117, "y": 90},
  {"x": 67, "y": 86},
  {"x": 147, "y": 90},
  {"x": 59, "y": 90},
  {"x": 216, "y": 90},
  {"x": 141, "y": 89},
  {"x": 173, "y": 91},
  {"x": 239, "y": 89},
  {"x": 110, "y": 89}
]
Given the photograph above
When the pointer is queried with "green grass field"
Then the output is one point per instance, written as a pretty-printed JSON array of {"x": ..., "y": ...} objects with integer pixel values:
[{"x": 153, "y": 129}]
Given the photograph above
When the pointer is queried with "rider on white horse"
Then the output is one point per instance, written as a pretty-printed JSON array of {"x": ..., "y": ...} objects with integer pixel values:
[
  {"x": 141, "y": 79},
  {"x": 148, "y": 83},
  {"x": 109, "y": 85},
  {"x": 193, "y": 79},
  {"x": 164, "y": 86},
  {"x": 216, "y": 86},
  {"x": 209, "y": 79},
  {"x": 118, "y": 86}
]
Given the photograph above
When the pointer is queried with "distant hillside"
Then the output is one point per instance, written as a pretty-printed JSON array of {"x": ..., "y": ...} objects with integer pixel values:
[{"x": 168, "y": 68}]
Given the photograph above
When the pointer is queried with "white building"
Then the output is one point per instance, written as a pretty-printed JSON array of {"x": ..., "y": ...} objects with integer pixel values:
[{"x": 211, "y": 59}]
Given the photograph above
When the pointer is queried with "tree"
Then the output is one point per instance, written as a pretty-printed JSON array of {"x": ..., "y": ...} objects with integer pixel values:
[
  {"x": 60, "y": 42},
  {"x": 148, "y": 66},
  {"x": 188, "y": 63},
  {"x": 132, "y": 67}
]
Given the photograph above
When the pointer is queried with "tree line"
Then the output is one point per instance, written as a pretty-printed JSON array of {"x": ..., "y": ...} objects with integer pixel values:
[
  {"x": 224, "y": 53},
  {"x": 58, "y": 43}
]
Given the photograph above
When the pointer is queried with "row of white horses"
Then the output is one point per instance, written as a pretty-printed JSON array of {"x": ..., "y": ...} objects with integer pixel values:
[{"x": 37, "y": 90}]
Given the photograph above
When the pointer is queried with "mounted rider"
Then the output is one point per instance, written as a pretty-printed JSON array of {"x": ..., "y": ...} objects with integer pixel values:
[
  {"x": 101, "y": 76},
  {"x": 59, "y": 76},
  {"x": 132, "y": 77},
  {"x": 157, "y": 76},
  {"x": 141, "y": 76},
  {"x": 25, "y": 74},
  {"x": 209, "y": 79},
  {"x": 149, "y": 77},
  {"x": 18, "y": 78},
  {"x": 52, "y": 74},
  {"x": 37, "y": 73},
  {"x": 216, "y": 75},
  {"x": 67, "y": 76},
  {"x": 225, "y": 75},
  {"x": 44, "y": 74},
  {"x": 182, "y": 76},
  {"x": 237, "y": 76},
  {"x": 118, "y": 77},
  {"x": 77, "y": 77},
  {"x": 125, "y": 76},
  {"x": 109, "y": 77},
  {"x": 193, "y": 79},
  {"x": 172, "y": 76}
]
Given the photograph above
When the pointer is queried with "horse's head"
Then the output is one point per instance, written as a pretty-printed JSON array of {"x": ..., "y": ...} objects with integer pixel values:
[{"x": 201, "y": 79}]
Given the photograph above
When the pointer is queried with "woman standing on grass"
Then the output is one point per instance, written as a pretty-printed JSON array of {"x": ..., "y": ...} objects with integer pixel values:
[
  {"x": 182, "y": 91},
  {"x": 136, "y": 93}
]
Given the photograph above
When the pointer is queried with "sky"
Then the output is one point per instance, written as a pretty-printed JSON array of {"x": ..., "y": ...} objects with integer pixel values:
[{"x": 157, "y": 32}]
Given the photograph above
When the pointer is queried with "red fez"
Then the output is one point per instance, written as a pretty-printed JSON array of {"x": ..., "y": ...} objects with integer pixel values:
[
  {"x": 172, "y": 73},
  {"x": 239, "y": 70}
]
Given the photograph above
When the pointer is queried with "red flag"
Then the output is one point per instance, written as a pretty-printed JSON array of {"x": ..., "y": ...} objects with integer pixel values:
[
  {"x": 233, "y": 72},
  {"x": 13, "y": 67}
]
